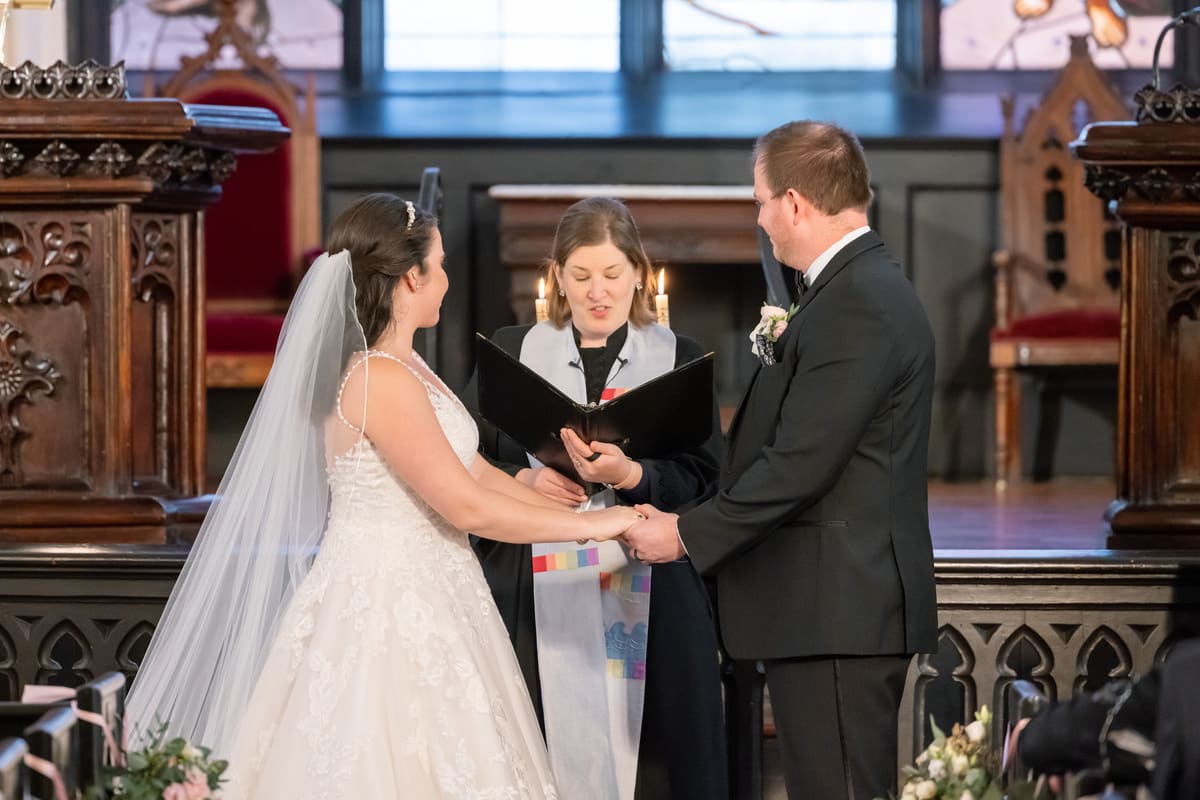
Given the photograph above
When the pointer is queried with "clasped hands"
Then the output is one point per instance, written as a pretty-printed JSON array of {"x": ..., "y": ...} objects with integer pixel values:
[{"x": 652, "y": 536}]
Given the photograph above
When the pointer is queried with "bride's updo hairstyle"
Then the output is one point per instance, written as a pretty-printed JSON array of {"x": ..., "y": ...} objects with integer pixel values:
[{"x": 386, "y": 237}]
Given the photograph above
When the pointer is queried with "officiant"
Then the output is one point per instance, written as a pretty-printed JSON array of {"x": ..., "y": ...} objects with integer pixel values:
[{"x": 619, "y": 657}]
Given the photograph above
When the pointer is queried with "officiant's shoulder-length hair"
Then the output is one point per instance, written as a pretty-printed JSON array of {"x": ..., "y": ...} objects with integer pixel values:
[
  {"x": 593, "y": 221},
  {"x": 822, "y": 162},
  {"x": 383, "y": 245}
]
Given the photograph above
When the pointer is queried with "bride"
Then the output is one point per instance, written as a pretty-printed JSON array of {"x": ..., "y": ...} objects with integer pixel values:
[{"x": 376, "y": 666}]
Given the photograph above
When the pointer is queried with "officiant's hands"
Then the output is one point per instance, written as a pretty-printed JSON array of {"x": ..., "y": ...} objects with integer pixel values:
[
  {"x": 553, "y": 485},
  {"x": 656, "y": 539},
  {"x": 601, "y": 462}
]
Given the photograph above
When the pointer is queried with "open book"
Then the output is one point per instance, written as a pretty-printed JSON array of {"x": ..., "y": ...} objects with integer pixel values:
[{"x": 658, "y": 419}]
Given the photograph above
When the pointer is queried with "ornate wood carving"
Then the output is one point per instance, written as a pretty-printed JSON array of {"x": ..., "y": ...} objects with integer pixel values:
[
  {"x": 57, "y": 159},
  {"x": 1183, "y": 268},
  {"x": 1150, "y": 174},
  {"x": 1134, "y": 182},
  {"x": 156, "y": 280},
  {"x": 1066, "y": 622},
  {"x": 99, "y": 211},
  {"x": 22, "y": 375},
  {"x": 155, "y": 242},
  {"x": 1180, "y": 104},
  {"x": 110, "y": 159},
  {"x": 11, "y": 159},
  {"x": 61, "y": 81},
  {"x": 162, "y": 162},
  {"x": 44, "y": 261}
]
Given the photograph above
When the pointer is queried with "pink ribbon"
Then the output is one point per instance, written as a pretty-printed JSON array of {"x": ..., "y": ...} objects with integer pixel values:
[
  {"x": 112, "y": 754},
  {"x": 35, "y": 693},
  {"x": 48, "y": 770}
]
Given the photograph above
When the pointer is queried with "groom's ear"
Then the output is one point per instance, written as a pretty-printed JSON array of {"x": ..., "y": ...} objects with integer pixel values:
[{"x": 797, "y": 206}]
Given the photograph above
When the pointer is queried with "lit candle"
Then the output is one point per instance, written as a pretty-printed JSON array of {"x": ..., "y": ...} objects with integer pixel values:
[
  {"x": 541, "y": 307},
  {"x": 661, "y": 306}
]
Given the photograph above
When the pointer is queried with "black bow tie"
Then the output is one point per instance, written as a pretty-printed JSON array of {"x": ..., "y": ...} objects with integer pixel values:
[{"x": 801, "y": 282}]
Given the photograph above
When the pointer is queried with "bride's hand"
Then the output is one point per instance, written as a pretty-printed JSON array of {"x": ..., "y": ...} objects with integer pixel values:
[
  {"x": 612, "y": 522},
  {"x": 552, "y": 484}
]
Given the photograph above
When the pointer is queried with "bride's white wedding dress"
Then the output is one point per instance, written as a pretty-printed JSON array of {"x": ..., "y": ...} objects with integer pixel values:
[{"x": 391, "y": 675}]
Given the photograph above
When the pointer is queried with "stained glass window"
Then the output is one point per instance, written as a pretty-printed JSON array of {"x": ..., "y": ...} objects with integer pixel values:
[
  {"x": 1034, "y": 34},
  {"x": 779, "y": 35},
  {"x": 155, "y": 34},
  {"x": 502, "y": 35}
]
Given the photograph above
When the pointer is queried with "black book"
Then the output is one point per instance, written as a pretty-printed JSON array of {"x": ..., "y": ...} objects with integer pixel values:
[{"x": 658, "y": 419}]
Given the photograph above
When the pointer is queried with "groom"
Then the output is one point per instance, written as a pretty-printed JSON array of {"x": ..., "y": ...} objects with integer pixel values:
[{"x": 818, "y": 534}]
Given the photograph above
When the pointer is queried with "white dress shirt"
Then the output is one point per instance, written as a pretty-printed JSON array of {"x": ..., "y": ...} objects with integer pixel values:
[{"x": 821, "y": 261}]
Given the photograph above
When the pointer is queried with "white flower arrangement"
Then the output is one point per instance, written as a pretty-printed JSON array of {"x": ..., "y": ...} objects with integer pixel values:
[
  {"x": 961, "y": 766},
  {"x": 771, "y": 325}
]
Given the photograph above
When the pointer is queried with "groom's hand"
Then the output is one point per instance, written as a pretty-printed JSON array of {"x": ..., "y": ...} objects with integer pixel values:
[{"x": 656, "y": 540}]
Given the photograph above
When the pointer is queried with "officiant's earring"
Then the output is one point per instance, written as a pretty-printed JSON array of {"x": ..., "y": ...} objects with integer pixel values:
[
  {"x": 638, "y": 286},
  {"x": 561, "y": 293}
]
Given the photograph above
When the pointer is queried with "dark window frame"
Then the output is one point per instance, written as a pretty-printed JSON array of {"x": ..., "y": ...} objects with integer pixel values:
[{"x": 917, "y": 67}]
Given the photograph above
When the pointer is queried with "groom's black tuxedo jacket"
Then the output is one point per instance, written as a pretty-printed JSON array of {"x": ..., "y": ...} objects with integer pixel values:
[{"x": 819, "y": 530}]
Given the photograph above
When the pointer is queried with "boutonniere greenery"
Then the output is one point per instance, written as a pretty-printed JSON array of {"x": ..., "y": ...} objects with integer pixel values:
[{"x": 766, "y": 333}]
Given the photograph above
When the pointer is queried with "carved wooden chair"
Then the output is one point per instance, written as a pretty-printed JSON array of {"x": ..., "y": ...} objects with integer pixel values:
[
  {"x": 51, "y": 733},
  {"x": 13, "y": 779},
  {"x": 265, "y": 231},
  {"x": 1058, "y": 269}
]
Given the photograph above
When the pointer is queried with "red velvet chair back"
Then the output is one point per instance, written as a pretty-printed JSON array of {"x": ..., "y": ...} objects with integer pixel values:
[
  {"x": 248, "y": 251},
  {"x": 265, "y": 231}
]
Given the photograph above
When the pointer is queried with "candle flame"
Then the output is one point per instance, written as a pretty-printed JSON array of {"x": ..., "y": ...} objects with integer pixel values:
[
  {"x": 662, "y": 281},
  {"x": 541, "y": 288}
]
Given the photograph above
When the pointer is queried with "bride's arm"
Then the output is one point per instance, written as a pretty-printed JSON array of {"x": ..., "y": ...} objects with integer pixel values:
[
  {"x": 498, "y": 480},
  {"x": 401, "y": 422}
]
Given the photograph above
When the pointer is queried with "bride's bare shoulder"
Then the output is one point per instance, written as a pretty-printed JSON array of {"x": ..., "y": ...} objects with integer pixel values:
[{"x": 378, "y": 381}]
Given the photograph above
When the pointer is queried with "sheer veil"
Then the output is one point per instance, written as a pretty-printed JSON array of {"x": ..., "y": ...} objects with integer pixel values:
[{"x": 261, "y": 532}]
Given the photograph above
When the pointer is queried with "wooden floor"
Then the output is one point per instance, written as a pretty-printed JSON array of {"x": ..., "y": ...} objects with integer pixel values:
[{"x": 1063, "y": 514}]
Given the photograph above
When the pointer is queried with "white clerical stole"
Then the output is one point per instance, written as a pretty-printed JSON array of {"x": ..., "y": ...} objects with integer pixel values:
[{"x": 592, "y": 601}]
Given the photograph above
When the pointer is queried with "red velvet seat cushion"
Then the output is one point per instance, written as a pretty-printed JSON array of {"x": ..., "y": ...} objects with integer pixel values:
[
  {"x": 1076, "y": 323},
  {"x": 242, "y": 333},
  {"x": 247, "y": 233}
]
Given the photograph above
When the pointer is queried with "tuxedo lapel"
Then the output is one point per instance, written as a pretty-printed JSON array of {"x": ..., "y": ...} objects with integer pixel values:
[{"x": 868, "y": 241}]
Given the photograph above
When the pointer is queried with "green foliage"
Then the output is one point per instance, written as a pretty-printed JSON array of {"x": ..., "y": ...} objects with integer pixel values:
[
  {"x": 149, "y": 772},
  {"x": 961, "y": 765}
]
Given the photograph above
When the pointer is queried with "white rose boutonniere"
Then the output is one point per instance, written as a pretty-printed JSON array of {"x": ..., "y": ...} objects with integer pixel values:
[{"x": 766, "y": 333}]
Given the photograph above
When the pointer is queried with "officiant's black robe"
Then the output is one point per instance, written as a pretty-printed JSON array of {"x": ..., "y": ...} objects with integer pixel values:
[{"x": 682, "y": 753}]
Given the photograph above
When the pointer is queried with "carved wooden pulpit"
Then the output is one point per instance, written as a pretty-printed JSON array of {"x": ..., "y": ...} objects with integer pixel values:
[
  {"x": 101, "y": 301},
  {"x": 1149, "y": 171}
]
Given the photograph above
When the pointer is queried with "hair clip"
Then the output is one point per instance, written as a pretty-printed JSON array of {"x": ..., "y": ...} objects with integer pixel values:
[{"x": 412, "y": 214}]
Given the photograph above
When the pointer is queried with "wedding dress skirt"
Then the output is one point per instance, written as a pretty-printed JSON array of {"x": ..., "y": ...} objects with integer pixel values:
[{"x": 391, "y": 675}]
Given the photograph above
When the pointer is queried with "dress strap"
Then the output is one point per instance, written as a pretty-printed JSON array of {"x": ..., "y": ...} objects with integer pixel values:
[
  {"x": 341, "y": 389},
  {"x": 387, "y": 355},
  {"x": 368, "y": 354},
  {"x": 408, "y": 366}
]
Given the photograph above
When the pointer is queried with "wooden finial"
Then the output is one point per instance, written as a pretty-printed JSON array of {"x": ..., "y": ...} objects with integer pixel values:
[{"x": 227, "y": 10}]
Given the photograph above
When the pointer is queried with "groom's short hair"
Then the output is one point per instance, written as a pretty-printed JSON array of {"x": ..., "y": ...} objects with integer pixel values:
[{"x": 822, "y": 162}]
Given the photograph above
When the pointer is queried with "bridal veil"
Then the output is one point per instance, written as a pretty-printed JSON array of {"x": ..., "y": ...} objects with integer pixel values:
[{"x": 261, "y": 532}]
